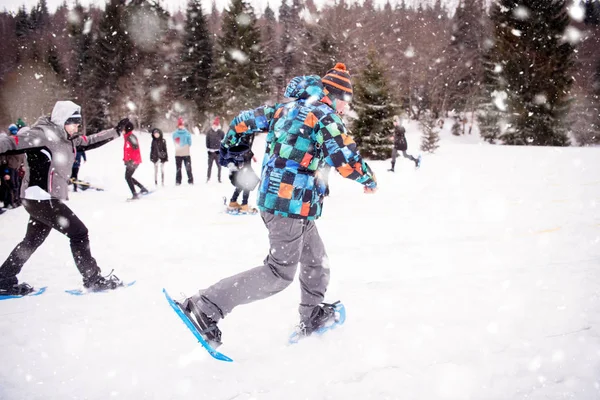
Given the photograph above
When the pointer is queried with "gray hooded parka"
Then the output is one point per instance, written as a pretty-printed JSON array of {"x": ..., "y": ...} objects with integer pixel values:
[{"x": 50, "y": 153}]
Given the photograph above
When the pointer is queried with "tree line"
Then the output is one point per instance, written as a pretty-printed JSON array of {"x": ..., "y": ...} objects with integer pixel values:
[{"x": 526, "y": 71}]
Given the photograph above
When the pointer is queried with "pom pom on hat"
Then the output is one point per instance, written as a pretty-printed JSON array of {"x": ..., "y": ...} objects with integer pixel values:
[{"x": 338, "y": 83}]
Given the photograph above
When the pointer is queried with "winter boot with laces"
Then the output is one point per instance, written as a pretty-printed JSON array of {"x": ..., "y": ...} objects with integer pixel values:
[
  {"x": 203, "y": 323},
  {"x": 12, "y": 287},
  {"x": 100, "y": 283},
  {"x": 322, "y": 316}
]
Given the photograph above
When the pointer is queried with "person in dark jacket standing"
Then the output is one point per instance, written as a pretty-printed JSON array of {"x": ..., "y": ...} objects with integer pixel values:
[
  {"x": 400, "y": 144},
  {"x": 241, "y": 175},
  {"x": 76, "y": 165},
  {"x": 213, "y": 143},
  {"x": 303, "y": 134},
  {"x": 50, "y": 145},
  {"x": 158, "y": 154},
  {"x": 132, "y": 158}
]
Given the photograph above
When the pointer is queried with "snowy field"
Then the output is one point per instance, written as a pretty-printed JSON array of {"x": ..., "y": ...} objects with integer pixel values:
[{"x": 476, "y": 277}]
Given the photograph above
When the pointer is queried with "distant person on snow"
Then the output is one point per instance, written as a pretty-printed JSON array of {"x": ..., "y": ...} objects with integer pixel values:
[
  {"x": 50, "y": 145},
  {"x": 132, "y": 158},
  {"x": 213, "y": 143},
  {"x": 183, "y": 141},
  {"x": 400, "y": 144},
  {"x": 158, "y": 154},
  {"x": 303, "y": 134},
  {"x": 242, "y": 176}
]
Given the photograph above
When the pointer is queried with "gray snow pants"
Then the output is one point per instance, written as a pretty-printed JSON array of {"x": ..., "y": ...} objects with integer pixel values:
[{"x": 292, "y": 241}]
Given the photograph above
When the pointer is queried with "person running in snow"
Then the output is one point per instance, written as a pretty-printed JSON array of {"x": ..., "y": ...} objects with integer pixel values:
[
  {"x": 183, "y": 142},
  {"x": 303, "y": 135},
  {"x": 239, "y": 161},
  {"x": 76, "y": 165},
  {"x": 213, "y": 143},
  {"x": 132, "y": 158},
  {"x": 400, "y": 143},
  {"x": 50, "y": 145},
  {"x": 158, "y": 154}
]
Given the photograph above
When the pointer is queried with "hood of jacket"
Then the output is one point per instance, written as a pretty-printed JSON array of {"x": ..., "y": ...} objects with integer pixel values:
[
  {"x": 62, "y": 111},
  {"x": 160, "y": 134},
  {"x": 307, "y": 87}
]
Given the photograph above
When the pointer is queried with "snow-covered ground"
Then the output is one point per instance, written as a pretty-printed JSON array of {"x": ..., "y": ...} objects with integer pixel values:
[{"x": 476, "y": 277}]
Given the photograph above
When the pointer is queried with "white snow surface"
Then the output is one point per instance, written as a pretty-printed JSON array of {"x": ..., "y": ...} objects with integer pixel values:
[{"x": 475, "y": 277}]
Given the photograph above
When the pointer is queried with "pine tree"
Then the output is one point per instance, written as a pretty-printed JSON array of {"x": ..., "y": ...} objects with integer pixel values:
[
  {"x": 592, "y": 12},
  {"x": 465, "y": 56},
  {"x": 240, "y": 79},
  {"x": 39, "y": 17},
  {"x": 112, "y": 58},
  {"x": 373, "y": 104},
  {"x": 79, "y": 29},
  {"x": 535, "y": 65},
  {"x": 270, "y": 51},
  {"x": 195, "y": 67},
  {"x": 431, "y": 137}
]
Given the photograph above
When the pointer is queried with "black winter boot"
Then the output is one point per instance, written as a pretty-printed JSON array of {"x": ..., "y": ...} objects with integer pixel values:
[
  {"x": 99, "y": 283},
  {"x": 204, "y": 324},
  {"x": 321, "y": 316},
  {"x": 12, "y": 287}
]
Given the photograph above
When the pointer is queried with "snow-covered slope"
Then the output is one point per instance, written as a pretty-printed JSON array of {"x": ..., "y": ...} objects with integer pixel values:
[{"x": 476, "y": 277}]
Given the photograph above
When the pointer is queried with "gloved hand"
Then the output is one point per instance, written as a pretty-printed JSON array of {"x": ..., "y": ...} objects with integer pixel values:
[{"x": 122, "y": 124}]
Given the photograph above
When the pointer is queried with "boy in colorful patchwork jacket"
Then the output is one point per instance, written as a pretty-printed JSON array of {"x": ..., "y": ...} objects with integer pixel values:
[{"x": 303, "y": 136}]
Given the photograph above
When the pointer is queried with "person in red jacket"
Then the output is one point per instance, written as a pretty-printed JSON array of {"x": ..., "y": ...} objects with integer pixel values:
[{"x": 132, "y": 158}]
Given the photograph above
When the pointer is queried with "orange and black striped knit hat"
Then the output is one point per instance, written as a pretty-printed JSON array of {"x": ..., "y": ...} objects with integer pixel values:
[{"x": 337, "y": 82}]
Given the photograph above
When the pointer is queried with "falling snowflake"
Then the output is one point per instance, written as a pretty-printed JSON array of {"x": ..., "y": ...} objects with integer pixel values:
[
  {"x": 521, "y": 13},
  {"x": 238, "y": 56},
  {"x": 572, "y": 35},
  {"x": 577, "y": 12}
]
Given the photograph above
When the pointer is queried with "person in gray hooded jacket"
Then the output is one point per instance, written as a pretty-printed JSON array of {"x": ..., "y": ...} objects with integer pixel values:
[{"x": 50, "y": 146}]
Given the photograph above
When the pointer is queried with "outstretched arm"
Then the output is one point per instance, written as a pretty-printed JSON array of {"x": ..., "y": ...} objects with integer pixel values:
[
  {"x": 339, "y": 151},
  {"x": 96, "y": 140},
  {"x": 25, "y": 140}
]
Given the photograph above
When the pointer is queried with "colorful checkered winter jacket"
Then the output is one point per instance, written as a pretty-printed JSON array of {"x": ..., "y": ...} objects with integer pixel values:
[{"x": 303, "y": 135}]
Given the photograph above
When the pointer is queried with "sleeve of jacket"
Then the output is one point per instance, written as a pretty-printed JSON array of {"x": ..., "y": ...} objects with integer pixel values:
[
  {"x": 247, "y": 123},
  {"x": 339, "y": 151},
  {"x": 26, "y": 139},
  {"x": 93, "y": 141},
  {"x": 132, "y": 139}
]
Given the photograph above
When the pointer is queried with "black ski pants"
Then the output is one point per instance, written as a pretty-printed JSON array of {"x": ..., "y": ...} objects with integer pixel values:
[
  {"x": 130, "y": 168},
  {"x": 213, "y": 156},
  {"x": 45, "y": 215},
  {"x": 187, "y": 160}
]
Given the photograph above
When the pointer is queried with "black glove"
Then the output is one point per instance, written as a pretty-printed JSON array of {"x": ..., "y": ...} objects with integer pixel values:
[{"x": 122, "y": 125}]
